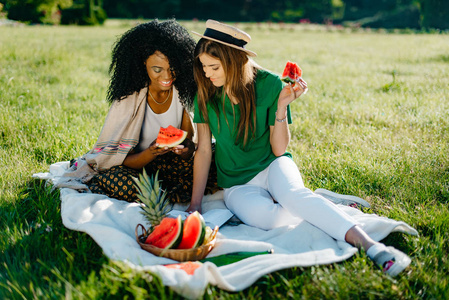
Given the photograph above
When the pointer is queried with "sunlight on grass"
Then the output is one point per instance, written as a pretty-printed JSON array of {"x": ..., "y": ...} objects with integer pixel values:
[{"x": 373, "y": 124}]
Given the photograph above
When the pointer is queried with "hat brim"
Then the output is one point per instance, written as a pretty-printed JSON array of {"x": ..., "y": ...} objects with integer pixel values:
[{"x": 249, "y": 52}]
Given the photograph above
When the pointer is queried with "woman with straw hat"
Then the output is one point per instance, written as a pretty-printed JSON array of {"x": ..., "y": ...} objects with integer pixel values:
[{"x": 247, "y": 110}]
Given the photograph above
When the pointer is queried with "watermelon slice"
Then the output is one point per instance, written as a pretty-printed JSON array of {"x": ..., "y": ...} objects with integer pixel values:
[
  {"x": 189, "y": 266},
  {"x": 194, "y": 230},
  {"x": 167, "y": 234},
  {"x": 170, "y": 136},
  {"x": 292, "y": 72}
]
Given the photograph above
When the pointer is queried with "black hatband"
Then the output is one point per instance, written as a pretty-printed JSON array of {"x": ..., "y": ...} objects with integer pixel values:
[{"x": 218, "y": 35}]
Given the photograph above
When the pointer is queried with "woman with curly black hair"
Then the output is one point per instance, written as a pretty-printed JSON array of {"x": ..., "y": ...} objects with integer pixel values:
[
  {"x": 129, "y": 73},
  {"x": 151, "y": 86}
]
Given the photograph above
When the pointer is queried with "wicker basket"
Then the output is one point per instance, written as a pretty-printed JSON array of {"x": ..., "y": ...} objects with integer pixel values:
[{"x": 194, "y": 254}]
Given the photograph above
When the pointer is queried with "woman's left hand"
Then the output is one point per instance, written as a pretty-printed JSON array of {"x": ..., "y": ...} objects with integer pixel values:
[
  {"x": 186, "y": 150},
  {"x": 291, "y": 92}
]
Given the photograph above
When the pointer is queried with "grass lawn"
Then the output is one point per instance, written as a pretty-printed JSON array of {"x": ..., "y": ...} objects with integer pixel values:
[{"x": 375, "y": 123}]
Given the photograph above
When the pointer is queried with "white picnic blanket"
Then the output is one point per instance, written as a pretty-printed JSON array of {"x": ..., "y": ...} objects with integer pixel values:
[{"x": 111, "y": 223}]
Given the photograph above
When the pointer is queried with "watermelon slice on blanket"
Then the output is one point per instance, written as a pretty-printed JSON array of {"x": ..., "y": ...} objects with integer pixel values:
[
  {"x": 189, "y": 266},
  {"x": 292, "y": 72},
  {"x": 170, "y": 137}
]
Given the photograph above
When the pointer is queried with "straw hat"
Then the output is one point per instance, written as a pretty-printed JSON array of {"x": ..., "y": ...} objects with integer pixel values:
[{"x": 227, "y": 35}]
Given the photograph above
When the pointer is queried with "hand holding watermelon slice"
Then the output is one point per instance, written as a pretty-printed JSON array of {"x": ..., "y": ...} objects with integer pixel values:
[
  {"x": 170, "y": 137},
  {"x": 174, "y": 140},
  {"x": 292, "y": 74}
]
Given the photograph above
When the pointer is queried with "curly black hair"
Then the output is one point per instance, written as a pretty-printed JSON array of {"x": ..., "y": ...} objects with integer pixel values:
[{"x": 132, "y": 49}]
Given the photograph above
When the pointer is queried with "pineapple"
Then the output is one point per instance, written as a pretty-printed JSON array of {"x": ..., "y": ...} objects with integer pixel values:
[{"x": 155, "y": 204}]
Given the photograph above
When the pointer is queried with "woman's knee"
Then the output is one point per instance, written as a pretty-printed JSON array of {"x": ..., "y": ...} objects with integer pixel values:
[
  {"x": 284, "y": 174},
  {"x": 255, "y": 207}
]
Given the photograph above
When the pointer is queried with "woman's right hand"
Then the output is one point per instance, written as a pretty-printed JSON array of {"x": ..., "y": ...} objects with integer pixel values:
[
  {"x": 291, "y": 92},
  {"x": 186, "y": 149},
  {"x": 201, "y": 165},
  {"x": 192, "y": 208}
]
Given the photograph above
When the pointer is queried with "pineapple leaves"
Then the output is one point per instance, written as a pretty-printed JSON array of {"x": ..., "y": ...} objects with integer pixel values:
[{"x": 155, "y": 205}]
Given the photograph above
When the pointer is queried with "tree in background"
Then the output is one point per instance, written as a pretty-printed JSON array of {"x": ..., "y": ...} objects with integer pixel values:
[
  {"x": 435, "y": 14},
  {"x": 81, "y": 12},
  {"x": 287, "y": 10},
  {"x": 416, "y": 14},
  {"x": 223, "y": 10},
  {"x": 383, "y": 13},
  {"x": 232, "y": 10},
  {"x": 84, "y": 12},
  {"x": 36, "y": 11},
  {"x": 144, "y": 9}
]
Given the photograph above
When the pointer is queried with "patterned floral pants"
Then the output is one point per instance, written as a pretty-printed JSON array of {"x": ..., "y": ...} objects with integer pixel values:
[{"x": 176, "y": 175}]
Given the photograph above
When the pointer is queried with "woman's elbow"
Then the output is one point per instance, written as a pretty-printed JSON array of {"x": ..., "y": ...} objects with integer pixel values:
[{"x": 278, "y": 152}]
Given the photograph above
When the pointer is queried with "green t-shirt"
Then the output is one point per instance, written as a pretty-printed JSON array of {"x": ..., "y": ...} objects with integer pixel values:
[{"x": 237, "y": 164}]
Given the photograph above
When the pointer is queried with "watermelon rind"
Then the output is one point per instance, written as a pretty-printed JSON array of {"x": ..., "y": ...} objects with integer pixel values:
[
  {"x": 166, "y": 235},
  {"x": 203, "y": 232},
  {"x": 287, "y": 80},
  {"x": 170, "y": 137}
]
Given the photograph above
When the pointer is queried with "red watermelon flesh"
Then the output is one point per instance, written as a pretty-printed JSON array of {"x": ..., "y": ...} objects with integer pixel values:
[
  {"x": 167, "y": 234},
  {"x": 194, "y": 230},
  {"x": 292, "y": 72},
  {"x": 189, "y": 266},
  {"x": 170, "y": 136}
]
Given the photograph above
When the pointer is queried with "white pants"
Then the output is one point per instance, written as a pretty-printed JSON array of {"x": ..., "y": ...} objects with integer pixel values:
[{"x": 277, "y": 197}]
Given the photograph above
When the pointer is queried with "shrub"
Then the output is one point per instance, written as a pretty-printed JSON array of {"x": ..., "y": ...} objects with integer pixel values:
[
  {"x": 82, "y": 12},
  {"x": 24, "y": 11}
]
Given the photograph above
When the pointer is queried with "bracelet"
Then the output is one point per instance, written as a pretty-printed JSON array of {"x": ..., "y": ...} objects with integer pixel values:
[{"x": 279, "y": 120}]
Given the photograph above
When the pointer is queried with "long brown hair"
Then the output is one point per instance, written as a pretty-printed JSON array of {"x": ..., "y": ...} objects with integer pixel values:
[{"x": 240, "y": 72}]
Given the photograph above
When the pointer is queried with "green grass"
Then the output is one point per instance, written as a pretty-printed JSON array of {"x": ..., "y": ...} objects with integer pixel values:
[{"x": 374, "y": 124}]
